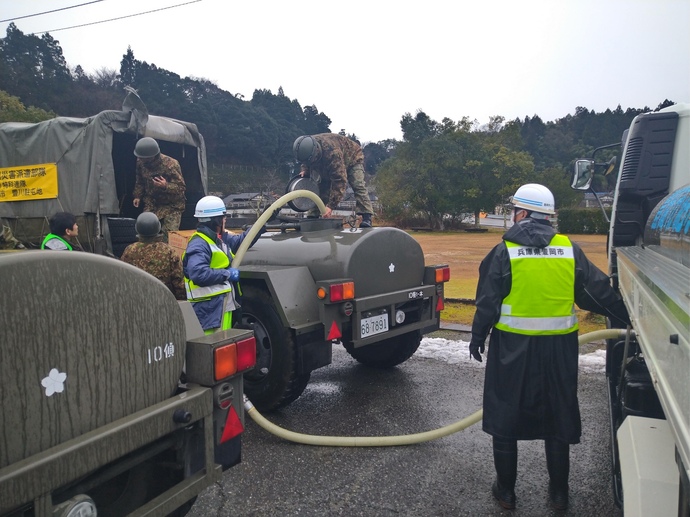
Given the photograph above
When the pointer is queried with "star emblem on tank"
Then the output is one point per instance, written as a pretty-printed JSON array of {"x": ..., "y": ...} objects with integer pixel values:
[
  {"x": 54, "y": 382},
  {"x": 391, "y": 268}
]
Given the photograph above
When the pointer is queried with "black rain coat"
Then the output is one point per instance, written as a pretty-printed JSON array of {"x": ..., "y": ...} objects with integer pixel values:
[{"x": 530, "y": 385}]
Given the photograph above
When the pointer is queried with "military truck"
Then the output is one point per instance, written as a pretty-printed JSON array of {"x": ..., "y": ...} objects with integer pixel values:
[
  {"x": 113, "y": 399},
  {"x": 87, "y": 166},
  {"x": 649, "y": 263}
]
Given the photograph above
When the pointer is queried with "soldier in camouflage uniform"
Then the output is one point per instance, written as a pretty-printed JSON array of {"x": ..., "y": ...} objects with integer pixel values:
[
  {"x": 159, "y": 184},
  {"x": 7, "y": 238},
  {"x": 155, "y": 256},
  {"x": 333, "y": 161}
]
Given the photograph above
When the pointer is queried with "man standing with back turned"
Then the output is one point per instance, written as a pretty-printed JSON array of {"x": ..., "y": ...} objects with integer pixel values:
[
  {"x": 154, "y": 256},
  {"x": 159, "y": 184},
  {"x": 528, "y": 285}
]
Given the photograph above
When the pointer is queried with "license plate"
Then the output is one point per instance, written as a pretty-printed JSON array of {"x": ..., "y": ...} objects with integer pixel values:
[{"x": 374, "y": 325}]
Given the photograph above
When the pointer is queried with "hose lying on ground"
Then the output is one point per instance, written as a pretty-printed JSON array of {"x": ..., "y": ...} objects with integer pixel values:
[{"x": 389, "y": 441}]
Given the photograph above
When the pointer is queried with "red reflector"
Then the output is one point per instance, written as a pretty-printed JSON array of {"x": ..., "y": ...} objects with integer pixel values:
[
  {"x": 336, "y": 292},
  {"x": 246, "y": 354},
  {"x": 334, "y": 333},
  {"x": 233, "y": 426},
  {"x": 440, "y": 305}
]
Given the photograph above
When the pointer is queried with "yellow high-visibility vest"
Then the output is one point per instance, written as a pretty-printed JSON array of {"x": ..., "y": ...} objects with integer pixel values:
[
  {"x": 219, "y": 260},
  {"x": 541, "y": 301}
]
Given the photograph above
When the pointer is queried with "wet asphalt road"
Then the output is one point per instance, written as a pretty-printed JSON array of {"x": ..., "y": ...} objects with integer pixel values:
[{"x": 450, "y": 476}]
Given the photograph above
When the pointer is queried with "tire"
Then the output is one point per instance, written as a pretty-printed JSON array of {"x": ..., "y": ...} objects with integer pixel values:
[
  {"x": 274, "y": 381},
  {"x": 389, "y": 352}
]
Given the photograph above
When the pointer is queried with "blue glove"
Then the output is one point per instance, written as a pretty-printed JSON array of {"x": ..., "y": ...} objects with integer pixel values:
[
  {"x": 476, "y": 350},
  {"x": 234, "y": 274}
]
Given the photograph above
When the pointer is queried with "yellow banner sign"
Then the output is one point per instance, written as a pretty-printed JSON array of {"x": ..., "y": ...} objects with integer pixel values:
[{"x": 28, "y": 182}]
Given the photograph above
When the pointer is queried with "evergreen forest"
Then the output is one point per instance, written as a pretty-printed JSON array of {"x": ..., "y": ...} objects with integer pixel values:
[{"x": 440, "y": 171}]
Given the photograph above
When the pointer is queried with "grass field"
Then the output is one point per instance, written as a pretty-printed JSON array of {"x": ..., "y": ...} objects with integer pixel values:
[{"x": 464, "y": 251}]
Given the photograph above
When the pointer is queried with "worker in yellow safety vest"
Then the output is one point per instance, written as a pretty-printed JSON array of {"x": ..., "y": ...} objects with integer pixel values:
[
  {"x": 210, "y": 281},
  {"x": 526, "y": 295}
]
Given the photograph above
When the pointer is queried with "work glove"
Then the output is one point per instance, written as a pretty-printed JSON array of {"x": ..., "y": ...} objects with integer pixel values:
[
  {"x": 476, "y": 350},
  {"x": 234, "y": 274}
]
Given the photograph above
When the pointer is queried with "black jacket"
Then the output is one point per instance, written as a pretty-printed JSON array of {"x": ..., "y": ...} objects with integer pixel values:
[{"x": 530, "y": 388}]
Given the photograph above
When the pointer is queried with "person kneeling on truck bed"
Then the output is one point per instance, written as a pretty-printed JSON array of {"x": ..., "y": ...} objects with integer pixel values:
[
  {"x": 528, "y": 285},
  {"x": 210, "y": 282}
]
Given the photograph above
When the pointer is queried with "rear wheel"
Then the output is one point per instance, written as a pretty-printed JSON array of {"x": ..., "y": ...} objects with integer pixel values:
[
  {"x": 389, "y": 352},
  {"x": 274, "y": 382}
]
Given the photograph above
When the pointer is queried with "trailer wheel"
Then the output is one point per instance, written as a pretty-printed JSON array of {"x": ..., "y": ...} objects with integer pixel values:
[
  {"x": 389, "y": 352},
  {"x": 274, "y": 382}
]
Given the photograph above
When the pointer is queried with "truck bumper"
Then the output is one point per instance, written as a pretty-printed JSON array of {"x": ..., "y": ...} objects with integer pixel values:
[{"x": 34, "y": 479}]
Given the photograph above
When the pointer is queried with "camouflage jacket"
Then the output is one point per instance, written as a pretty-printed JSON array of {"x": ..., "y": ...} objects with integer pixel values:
[
  {"x": 7, "y": 239},
  {"x": 160, "y": 201},
  {"x": 338, "y": 155},
  {"x": 160, "y": 260}
]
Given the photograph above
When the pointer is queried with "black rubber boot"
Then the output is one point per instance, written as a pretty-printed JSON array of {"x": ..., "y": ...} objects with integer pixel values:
[
  {"x": 558, "y": 465},
  {"x": 366, "y": 221},
  {"x": 505, "y": 461}
]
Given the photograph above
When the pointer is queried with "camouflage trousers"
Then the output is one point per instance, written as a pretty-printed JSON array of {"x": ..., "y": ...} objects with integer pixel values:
[
  {"x": 355, "y": 177},
  {"x": 170, "y": 223}
]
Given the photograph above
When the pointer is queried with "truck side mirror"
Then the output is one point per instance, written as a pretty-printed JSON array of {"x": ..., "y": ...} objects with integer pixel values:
[{"x": 583, "y": 174}]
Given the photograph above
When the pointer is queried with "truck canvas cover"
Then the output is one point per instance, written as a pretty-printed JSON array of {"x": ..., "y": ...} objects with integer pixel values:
[{"x": 95, "y": 166}]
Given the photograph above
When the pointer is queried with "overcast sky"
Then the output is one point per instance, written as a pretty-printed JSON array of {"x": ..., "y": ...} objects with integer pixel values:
[{"x": 367, "y": 63}]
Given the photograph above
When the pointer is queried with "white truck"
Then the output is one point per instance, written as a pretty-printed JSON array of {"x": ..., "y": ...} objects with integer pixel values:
[{"x": 649, "y": 262}]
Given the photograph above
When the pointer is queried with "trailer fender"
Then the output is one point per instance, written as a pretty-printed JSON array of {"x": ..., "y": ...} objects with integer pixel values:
[{"x": 294, "y": 291}]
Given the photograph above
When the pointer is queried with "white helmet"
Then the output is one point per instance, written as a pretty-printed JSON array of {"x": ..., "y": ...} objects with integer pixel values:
[
  {"x": 535, "y": 198},
  {"x": 208, "y": 207}
]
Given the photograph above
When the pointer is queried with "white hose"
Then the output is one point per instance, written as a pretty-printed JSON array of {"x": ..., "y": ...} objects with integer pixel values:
[
  {"x": 406, "y": 439},
  {"x": 267, "y": 215}
]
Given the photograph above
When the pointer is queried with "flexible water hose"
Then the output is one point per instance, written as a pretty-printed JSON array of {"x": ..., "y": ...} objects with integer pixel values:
[
  {"x": 261, "y": 221},
  {"x": 406, "y": 439}
]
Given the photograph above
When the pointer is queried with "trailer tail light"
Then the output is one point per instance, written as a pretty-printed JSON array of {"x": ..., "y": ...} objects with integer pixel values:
[
  {"x": 234, "y": 357},
  {"x": 225, "y": 361},
  {"x": 246, "y": 354},
  {"x": 339, "y": 292},
  {"x": 442, "y": 274}
]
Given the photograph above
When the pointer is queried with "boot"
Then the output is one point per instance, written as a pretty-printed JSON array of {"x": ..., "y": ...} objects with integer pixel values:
[
  {"x": 558, "y": 465},
  {"x": 505, "y": 461},
  {"x": 366, "y": 221}
]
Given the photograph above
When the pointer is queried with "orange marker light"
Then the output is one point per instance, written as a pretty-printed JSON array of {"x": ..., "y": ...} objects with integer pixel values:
[
  {"x": 442, "y": 274},
  {"x": 225, "y": 361},
  {"x": 321, "y": 293},
  {"x": 349, "y": 291}
]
